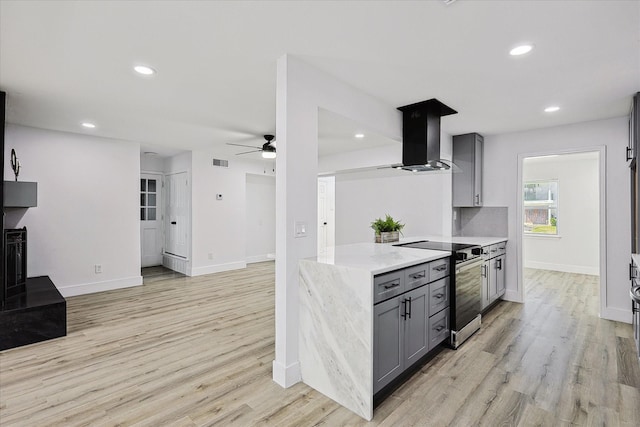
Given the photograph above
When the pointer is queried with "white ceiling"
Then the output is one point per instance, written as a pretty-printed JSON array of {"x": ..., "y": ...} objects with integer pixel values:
[{"x": 62, "y": 63}]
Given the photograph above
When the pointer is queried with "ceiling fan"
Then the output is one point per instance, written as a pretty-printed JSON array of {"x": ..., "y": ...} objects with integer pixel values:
[{"x": 268, "y": 149}]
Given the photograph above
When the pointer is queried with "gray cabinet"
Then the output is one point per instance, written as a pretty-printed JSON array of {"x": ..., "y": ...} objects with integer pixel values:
[
  {"x": 467, "y": 179},
  {"x": 408, "y": 325},
  {"x": 493, "y": 273},
  {"x": 20, "y": 194}
]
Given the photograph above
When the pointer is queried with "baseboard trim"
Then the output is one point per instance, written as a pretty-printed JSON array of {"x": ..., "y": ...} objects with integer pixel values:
[
  {"x": 210, "y": 269},
  {"x": 286, "y": 376},
  {"x": 260, "y": 258},
  {"x": 565, "y": 268},
  {"x": 107, "y": 285},
  {"x": 616, "y": 314}
]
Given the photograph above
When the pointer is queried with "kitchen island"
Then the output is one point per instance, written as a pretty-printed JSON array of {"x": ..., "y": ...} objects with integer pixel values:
[{"x": 337, "y": 322}]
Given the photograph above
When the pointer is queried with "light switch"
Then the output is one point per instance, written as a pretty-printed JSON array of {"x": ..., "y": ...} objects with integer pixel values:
[{"x": 300, "y": 229}]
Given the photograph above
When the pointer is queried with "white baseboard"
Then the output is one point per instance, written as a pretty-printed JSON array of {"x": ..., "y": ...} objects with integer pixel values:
[
  {"x": 217, "y": 268},
  {"x": 616, "y": 314},
  {"x": 107, "y": 285},
  {"x": 286, "y": 376},
  {"x": 565, "y": 268},
  {"x": 260, "y": 258}
]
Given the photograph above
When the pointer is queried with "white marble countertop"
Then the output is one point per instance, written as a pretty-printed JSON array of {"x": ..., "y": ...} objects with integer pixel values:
[{"x": 375, "y": 257}]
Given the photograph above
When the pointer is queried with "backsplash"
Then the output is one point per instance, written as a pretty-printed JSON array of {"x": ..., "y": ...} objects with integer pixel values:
[{"x": 480, "y": 222}]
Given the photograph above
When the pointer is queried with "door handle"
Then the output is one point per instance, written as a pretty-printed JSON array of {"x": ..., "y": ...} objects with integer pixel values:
[
  {"x": 324, "y": 223},
  {"x": 173, "y": 223},
  {"x": 409, "y": 301}
]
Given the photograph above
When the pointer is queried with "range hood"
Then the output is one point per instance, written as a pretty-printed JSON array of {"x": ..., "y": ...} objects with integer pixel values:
[{"x": 421, "y": 136}]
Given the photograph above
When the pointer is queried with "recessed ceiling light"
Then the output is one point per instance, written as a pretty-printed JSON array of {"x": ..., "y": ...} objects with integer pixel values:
[
  {"x": 551, "y": 109},
  {"x": 144, "y": 70},
  {"x": 88, "y": 125},
  {"x": 521, "y": 50},
  {"x": 359, "y": 135}
]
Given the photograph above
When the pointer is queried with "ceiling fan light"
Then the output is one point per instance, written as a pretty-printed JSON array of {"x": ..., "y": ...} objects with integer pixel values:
[{"x": 268, "y": 154}]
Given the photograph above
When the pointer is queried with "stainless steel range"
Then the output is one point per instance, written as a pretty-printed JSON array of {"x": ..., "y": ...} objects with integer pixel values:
[{"x": 466, "y": 286}]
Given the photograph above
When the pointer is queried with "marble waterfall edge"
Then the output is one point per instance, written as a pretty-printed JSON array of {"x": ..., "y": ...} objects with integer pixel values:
[{"x": 336, "y": 334}]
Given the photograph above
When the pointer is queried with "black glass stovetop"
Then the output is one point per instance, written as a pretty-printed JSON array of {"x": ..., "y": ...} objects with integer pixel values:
[{"x": 436, "y": 246}]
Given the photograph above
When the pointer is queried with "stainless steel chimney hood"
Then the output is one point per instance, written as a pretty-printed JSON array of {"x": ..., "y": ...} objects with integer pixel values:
[{"x": 421, "y": 136}]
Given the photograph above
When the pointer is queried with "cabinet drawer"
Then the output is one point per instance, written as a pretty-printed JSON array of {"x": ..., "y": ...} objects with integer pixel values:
[
  {"x": 438, "y": 295},
  {"x": 438, "y": 328},
  {"x": 438, "y": 269},
  {"x": 416, "y": 276},
  {"x": 388, "y": 285},
  {"x": 493, "y": 251},
  {"x": 502, "y": 248}
]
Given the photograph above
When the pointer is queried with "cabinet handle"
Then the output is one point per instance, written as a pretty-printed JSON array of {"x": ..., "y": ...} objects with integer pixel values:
[
  {"x": 500, "y": 264},
  {"x": 484, "y": 271},
  {"x": 439, "y": 328},
  {"x": 409, "y": 301},
  {"x": 440, "y": 267},
  {"x": 173, "y": 223},
  {"x": 404, "y": 309},
  {"x": 417, "y": 275},
  {"x": 438, "y": 296},
  {"x": 391, "y": 285},
  {"x": 629, "y": 150},
  {"x": 477, "y": 199}
]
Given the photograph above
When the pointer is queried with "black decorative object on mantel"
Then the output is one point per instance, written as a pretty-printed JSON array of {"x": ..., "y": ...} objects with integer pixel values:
[{"x": 15, "y": 163}]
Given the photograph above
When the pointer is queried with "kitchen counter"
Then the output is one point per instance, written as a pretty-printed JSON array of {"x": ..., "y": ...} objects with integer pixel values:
[
  {"x": 336, "y": 298},
  {"x": 480, "y": 241}
]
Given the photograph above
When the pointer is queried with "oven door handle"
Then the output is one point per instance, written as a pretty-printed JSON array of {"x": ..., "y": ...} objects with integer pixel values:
[
  {"x": 469, "y": 265},
  {"x": 634, "y": 293}
]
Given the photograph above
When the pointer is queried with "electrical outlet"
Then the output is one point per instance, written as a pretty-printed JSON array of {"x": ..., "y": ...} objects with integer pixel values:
[{"x": 98, "y": 268}]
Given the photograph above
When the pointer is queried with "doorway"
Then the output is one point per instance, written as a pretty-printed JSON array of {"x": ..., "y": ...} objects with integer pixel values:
[
  {"x": 151, "y": 220},
  {"x": 561, "y": 207},
  {"x": 326, "y": 213}
]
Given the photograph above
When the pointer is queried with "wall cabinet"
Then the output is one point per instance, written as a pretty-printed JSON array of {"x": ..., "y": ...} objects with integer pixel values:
[
  {"x": 467, "y": 181},
  {"x": 493, "y": 273},
  {"x": 408, "y": 325}
]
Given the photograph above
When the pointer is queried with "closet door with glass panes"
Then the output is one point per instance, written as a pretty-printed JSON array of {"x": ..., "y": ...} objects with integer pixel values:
[{"x": 151, "y": 227}]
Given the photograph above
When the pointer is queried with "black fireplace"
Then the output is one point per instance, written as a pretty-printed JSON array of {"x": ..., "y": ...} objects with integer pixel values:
[{"x": 15, "y": 262}]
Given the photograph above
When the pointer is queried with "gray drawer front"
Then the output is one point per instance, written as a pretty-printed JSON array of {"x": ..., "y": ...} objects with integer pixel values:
[
  {"x": 502, "y": 248},
  {"x": 438, "y": 328},
  {"x": 388, "y": 285},
  {"x": 493, "y": 251},
  {"x": 438, "y": 269},
  {"x": 438, "y": 296},
  {"x": 486, "y": 252},
  {"x": 416, "y": 276}
]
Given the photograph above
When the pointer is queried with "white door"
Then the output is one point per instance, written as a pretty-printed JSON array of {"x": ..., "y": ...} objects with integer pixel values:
[
  {"x": 151, "y": 219},
  {"x": 177, "y": 214}
]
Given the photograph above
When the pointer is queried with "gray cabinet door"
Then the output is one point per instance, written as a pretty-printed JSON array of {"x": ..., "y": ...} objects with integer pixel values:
[
  {"x": 416, "y": 324},
  {"x": 486, "y": 280},
  {"x": 388, "y": 343},
  {"x": 467, "y": 182},
  {"x": 493, "y": 279}
]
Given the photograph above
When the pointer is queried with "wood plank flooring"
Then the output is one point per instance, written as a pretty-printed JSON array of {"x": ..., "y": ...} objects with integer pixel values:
[{"x": 198, "y": 352}]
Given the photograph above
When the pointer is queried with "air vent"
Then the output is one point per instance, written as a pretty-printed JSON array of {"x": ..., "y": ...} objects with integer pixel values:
[{"x": 221, "y": 163}]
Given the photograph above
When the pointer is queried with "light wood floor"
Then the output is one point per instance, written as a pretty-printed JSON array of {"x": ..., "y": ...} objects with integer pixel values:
[{"x": 198, "y": 351}]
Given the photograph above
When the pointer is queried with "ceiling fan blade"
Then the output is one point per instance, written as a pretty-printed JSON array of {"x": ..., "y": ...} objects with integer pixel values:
[
  {"x": 242, "y": 145},
  {"x": 247, "y": 152}
]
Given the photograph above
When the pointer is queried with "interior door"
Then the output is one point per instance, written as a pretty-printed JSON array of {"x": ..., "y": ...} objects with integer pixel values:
[
  {"x": 151, "y": 228},
  {"x": 177, "y": 214}
]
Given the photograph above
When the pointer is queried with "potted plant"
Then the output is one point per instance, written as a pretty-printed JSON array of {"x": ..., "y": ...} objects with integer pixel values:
[{"x": 387, "y": 229}]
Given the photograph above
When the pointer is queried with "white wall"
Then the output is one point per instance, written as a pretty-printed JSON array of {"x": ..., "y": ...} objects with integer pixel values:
[
  {"x": 149, "y": 163},
  {"x": 501, "y": 189},
  {"x": 414, "y": 199},
  {"x": 576, "y": 248},
  {"x": 219, "y": 227},
  {"x": 300, "y": 91},
  {"x": 260, "y": 218},
  {"x": 88, "y": 208}
]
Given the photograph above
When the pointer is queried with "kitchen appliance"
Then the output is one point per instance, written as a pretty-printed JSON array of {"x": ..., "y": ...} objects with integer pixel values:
[
  {"x": 634, "y": 292},
  {"x": 15, "y": 262},
  {"x": 466, "y": 286},
  {"x": 421, "y": 136}
]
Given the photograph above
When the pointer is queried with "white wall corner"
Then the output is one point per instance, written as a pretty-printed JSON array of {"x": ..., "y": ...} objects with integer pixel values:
[
  {"x": 107, "y": 285},
  {"x": 286, "y": 376}
]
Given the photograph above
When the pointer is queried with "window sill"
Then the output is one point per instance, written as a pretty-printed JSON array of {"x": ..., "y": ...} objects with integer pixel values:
[{"x": 543, "y": 236}]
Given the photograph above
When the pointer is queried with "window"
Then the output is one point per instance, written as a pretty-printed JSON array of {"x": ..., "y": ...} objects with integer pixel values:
[
  {"x": 541, "y": 207},
  {"x": 148, "y": 199}
]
